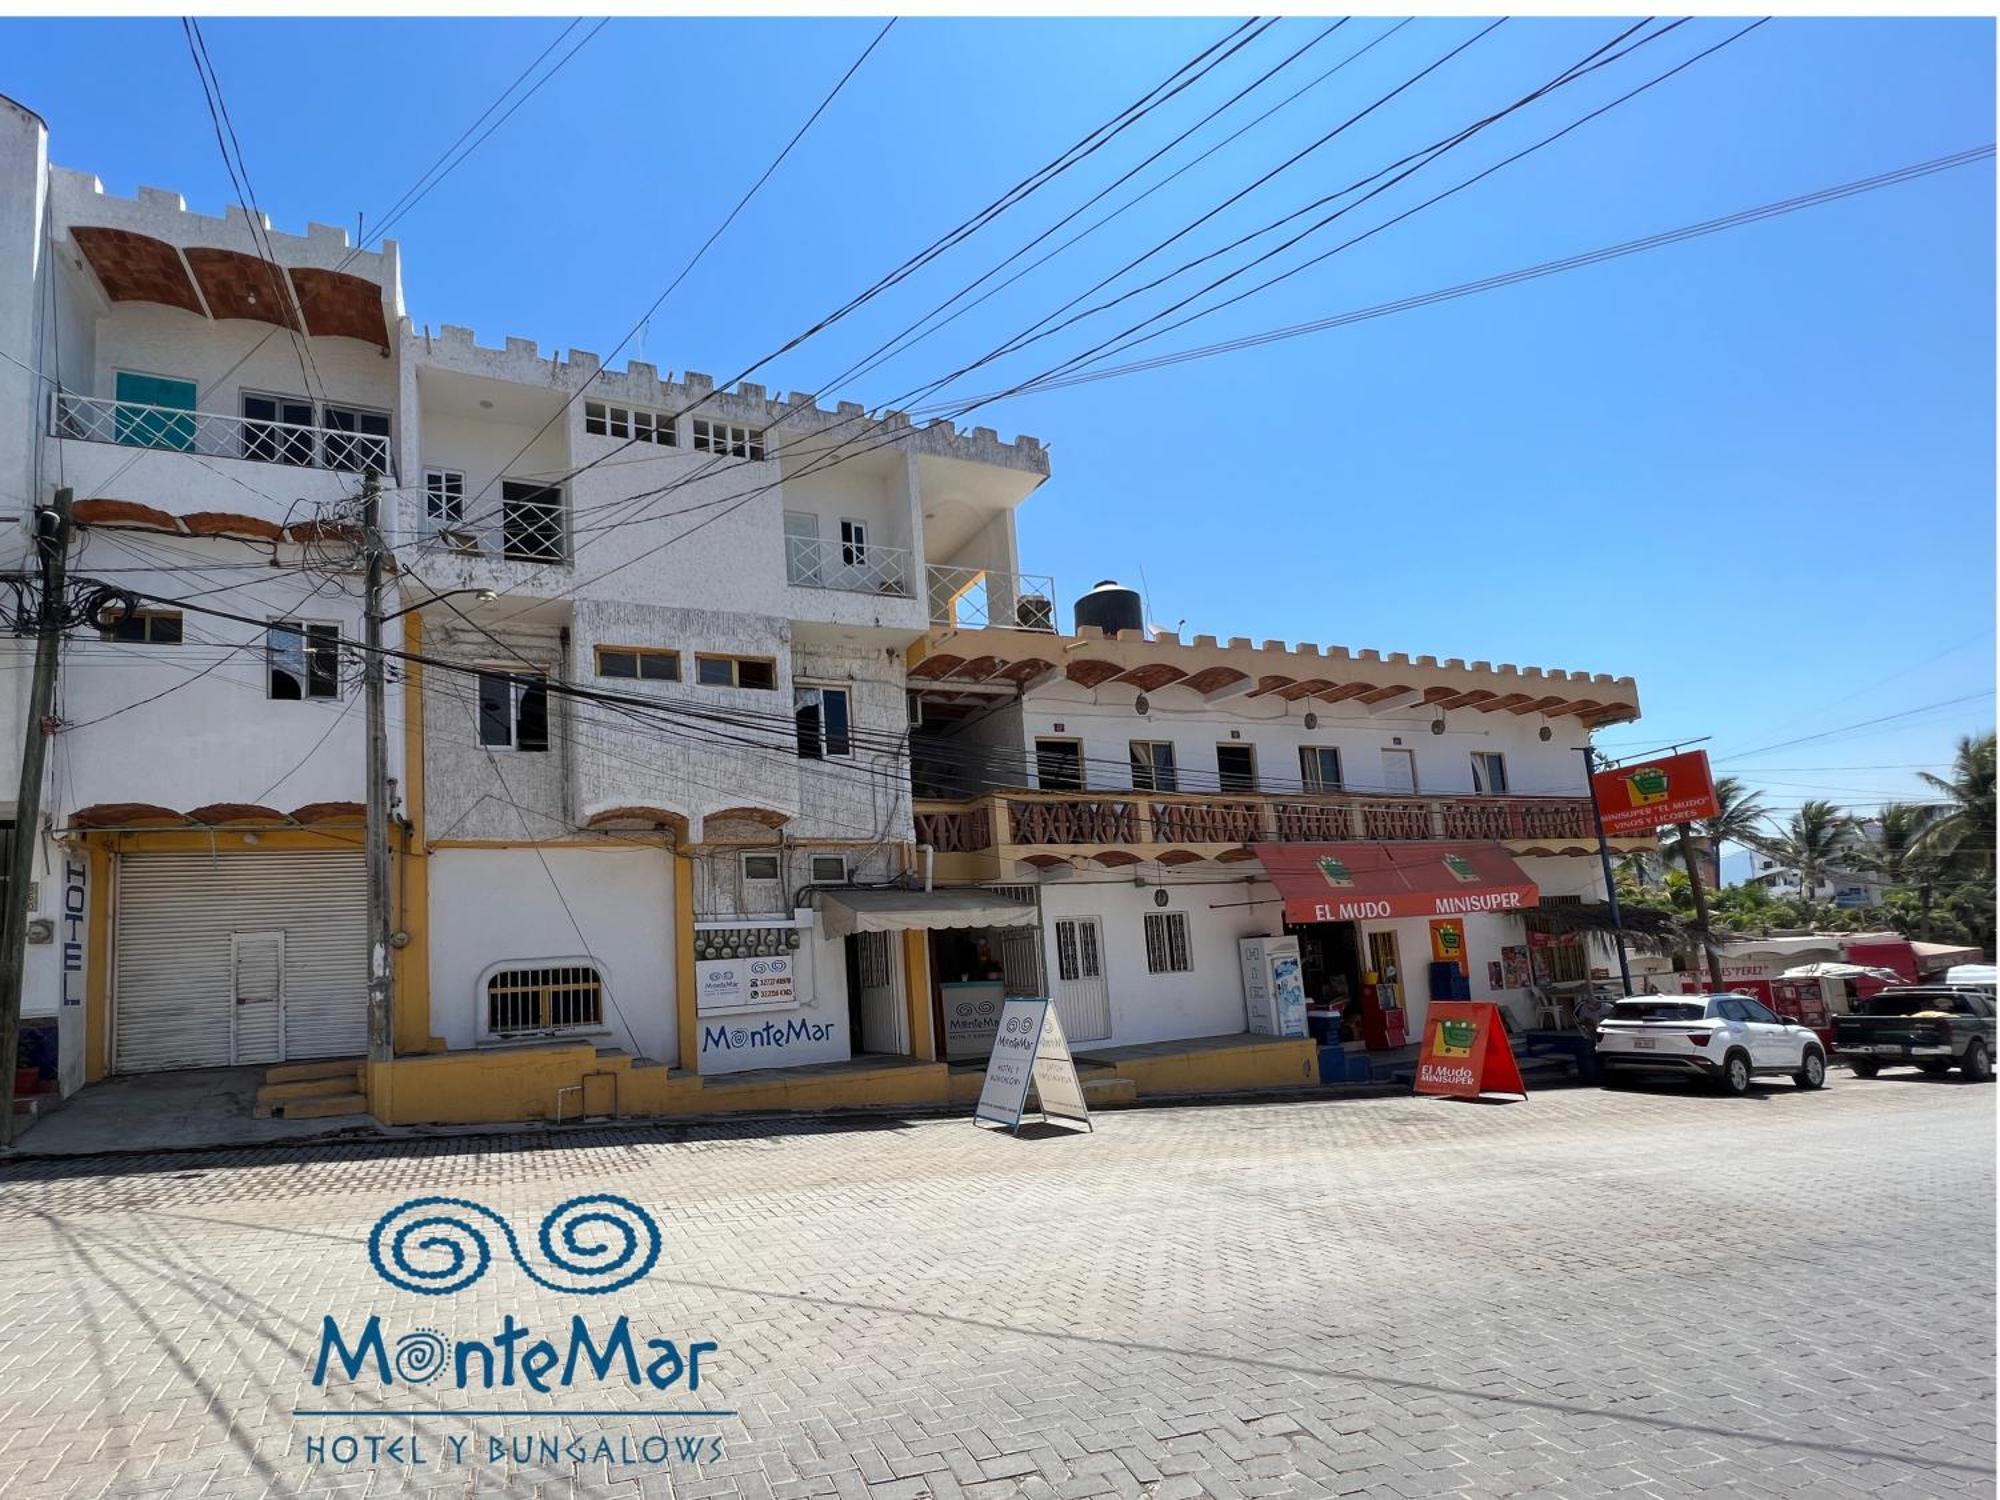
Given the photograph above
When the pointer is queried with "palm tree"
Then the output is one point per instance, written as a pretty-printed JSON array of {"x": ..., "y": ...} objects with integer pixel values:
[
  {"x": 1814, "y": 844},
  {"x": 1738, "y": 820},
  {"x": 1898, "y": 854},
  {"x": 1962, "y": 828}
]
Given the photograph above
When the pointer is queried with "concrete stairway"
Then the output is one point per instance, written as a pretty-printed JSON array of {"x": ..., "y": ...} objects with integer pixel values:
[{"x": 313, "y": 1091}]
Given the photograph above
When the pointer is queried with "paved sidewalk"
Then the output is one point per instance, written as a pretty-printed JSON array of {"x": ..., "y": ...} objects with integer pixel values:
[{"x": 1651, "y": 1293}]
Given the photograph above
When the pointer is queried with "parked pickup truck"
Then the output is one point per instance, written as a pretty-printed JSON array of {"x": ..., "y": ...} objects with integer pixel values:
[{"x": 1927, "y": 1027}]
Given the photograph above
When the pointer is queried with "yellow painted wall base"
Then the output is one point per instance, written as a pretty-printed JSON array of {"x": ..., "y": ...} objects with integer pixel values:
[
  {"x": 516, "y": 1084},
  {"x": 1277, "y": 1063},
  {"x": 520, "y": 1084}
]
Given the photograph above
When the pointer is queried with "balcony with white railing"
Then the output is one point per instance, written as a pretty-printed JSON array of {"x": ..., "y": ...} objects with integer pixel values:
[
  {"x": 851, "y": 567},
  {"x": 208, "y": 434},
  {"x": 969, "y": 598}
]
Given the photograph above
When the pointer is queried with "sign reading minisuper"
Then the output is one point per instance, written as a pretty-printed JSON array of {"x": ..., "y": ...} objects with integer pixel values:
[{"x": 1653, "y": 794}]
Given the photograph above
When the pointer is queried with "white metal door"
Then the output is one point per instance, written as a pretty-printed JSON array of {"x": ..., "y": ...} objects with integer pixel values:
[
  {"x": 881, "y": 992},
  {"x": 174, "y": 980},
  {"x": 1399, "y": 771},
  {"x": 257, "y": 980},
  {"x": 1083, "y": 999}
]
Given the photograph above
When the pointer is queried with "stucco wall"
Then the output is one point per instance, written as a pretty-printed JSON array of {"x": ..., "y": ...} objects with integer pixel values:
[
  {"x": 1107, "y": 723},
  {"x": 475, "y": 792},
  {"x": 1146, "y": 1007},
  {"x": 615, "y": 904},
  {"x": 211, "y": 732}
]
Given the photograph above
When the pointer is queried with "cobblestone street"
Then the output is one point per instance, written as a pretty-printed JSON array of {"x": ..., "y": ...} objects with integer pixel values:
[{"x": 1647, "y": 1293}]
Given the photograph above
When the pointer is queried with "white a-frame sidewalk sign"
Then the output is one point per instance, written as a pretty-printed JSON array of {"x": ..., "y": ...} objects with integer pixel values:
[{"x": 1030, "y": 1047}]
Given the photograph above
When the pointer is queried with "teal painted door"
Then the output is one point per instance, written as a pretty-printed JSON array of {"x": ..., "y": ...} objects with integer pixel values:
[{"x": 141, "y": 427}]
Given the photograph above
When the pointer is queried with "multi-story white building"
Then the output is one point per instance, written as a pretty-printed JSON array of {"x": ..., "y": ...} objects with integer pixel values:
[
  {"x": 1167, "y": 798},
  {"x": 664, "y": 654},
  {"x": 662, "y": 696}
]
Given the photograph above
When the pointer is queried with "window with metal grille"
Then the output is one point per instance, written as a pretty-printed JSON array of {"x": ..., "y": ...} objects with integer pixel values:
[
  {"x": 532, "y": 525},
  {"x": 1076, "y": 949},
  {"x": 727, "y": 438},
  {"x": 1167, "y": 943},
  {"x": 444, "y": 496},
  {"x": 554, "y": 997},
  {"x": 872, "y": 950}
]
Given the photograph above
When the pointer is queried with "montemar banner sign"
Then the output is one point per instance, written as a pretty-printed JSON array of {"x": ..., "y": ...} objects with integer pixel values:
[
  {"x": 1030, "y": 1048},
  {"x": 1655, "y": 794},
  {"x": 1466, "y": 1052}
]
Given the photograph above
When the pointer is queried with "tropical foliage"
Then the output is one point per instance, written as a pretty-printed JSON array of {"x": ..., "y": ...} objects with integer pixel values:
[{"x": 1933, "y": 861}]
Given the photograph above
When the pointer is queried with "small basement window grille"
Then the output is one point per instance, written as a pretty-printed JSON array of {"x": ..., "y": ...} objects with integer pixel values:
[{"x": 558, "y": 997}]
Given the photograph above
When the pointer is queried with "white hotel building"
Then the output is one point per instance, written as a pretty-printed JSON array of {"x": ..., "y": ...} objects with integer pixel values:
[{"x": 583, "y": 887}]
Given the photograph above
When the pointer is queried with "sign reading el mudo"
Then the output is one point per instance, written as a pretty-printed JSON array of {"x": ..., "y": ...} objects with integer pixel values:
[
  {"x": 1030, "y": 1048},
  {"x": 1637, "y": 799}
]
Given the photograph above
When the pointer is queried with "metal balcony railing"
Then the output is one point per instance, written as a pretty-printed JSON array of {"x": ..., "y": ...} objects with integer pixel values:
[
  {"x": 854, "y": 567},
  {"x": 1161, "y": 819},
  {"x": 134, "y": 424},
  {"x": 975, "y": 598}
]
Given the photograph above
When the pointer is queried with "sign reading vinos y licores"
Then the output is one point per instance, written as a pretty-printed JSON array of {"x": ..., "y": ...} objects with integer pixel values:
[{"x": 1655, "y": 793}]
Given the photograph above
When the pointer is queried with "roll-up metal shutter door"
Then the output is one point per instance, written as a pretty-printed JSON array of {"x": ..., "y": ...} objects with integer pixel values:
[{"x": 174, "y": 984}]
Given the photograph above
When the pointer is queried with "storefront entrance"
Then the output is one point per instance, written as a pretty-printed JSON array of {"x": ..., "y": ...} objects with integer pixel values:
[{"x": 1330, "y": 966}]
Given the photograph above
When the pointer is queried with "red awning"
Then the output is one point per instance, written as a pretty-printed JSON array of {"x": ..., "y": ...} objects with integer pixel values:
[{"x": 1373, "y": 882}]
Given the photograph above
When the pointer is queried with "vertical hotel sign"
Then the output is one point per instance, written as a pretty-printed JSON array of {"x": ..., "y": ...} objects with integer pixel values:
[{"x": 1650, "y": 794}]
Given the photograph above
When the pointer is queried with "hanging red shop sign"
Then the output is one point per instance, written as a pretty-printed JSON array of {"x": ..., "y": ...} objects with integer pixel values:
[{"x": 1653, "y": 794}]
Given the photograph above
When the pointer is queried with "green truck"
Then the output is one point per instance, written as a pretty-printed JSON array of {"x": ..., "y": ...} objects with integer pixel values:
[{"x": 1931, "y": 1027}]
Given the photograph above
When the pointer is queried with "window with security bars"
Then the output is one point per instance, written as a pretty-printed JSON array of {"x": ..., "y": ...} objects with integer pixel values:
[
  {"x": 727, "y": 438},
  {"x": 444, "y": 496},
  {"x": 1167, "y": 943},
  {"x": 532, "y": 522},
  {"x": 872, "y": 951},
  {"x": 1076, "y": 950},
  {"x": 559, "y": 997}
]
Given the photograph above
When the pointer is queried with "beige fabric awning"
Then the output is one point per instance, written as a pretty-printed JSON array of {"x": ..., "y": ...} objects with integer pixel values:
[{"x": 844, "y": 913}]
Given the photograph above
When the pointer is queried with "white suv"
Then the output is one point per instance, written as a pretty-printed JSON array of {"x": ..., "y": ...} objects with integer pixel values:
[{"x": 1725, "y": 1038}]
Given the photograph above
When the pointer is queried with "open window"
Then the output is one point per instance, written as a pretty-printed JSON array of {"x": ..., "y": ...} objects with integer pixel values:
[
  {"x": 513, "y": 711},
  {"x": 1059, "y": 765},
  {"x": 822, "y": 717},
  {"x": 302, "y": 660}
]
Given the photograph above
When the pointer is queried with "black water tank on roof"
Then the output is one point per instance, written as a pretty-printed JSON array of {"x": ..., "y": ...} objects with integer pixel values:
[{"x": 1113, "y": 608}]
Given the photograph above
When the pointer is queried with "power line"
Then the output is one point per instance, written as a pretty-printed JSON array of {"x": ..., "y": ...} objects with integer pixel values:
[
  {"x": 1863, "y": 724},
  {"x": 1063, "y": 162},
  {"x": 1527, "y": 273},
  {"x": 895, "y": 436},
  {"x": 693, "y": 260}
]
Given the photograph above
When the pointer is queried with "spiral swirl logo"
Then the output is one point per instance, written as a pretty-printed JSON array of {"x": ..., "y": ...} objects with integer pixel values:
[
  {"x": 589, "y": 1245},
  {"x": 421, "y": 1355}
]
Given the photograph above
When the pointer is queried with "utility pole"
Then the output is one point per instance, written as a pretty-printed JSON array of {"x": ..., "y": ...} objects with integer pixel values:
[
  {"x": 52, "y": 543},
  {"x": 1701, "y": 901},
  {"x": 1604, "y": 857},
  {"x": 381, "y": 997}
]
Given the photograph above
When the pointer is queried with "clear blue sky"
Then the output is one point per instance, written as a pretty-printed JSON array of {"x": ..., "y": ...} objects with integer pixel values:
[{"x": 1756, "y": 472}]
